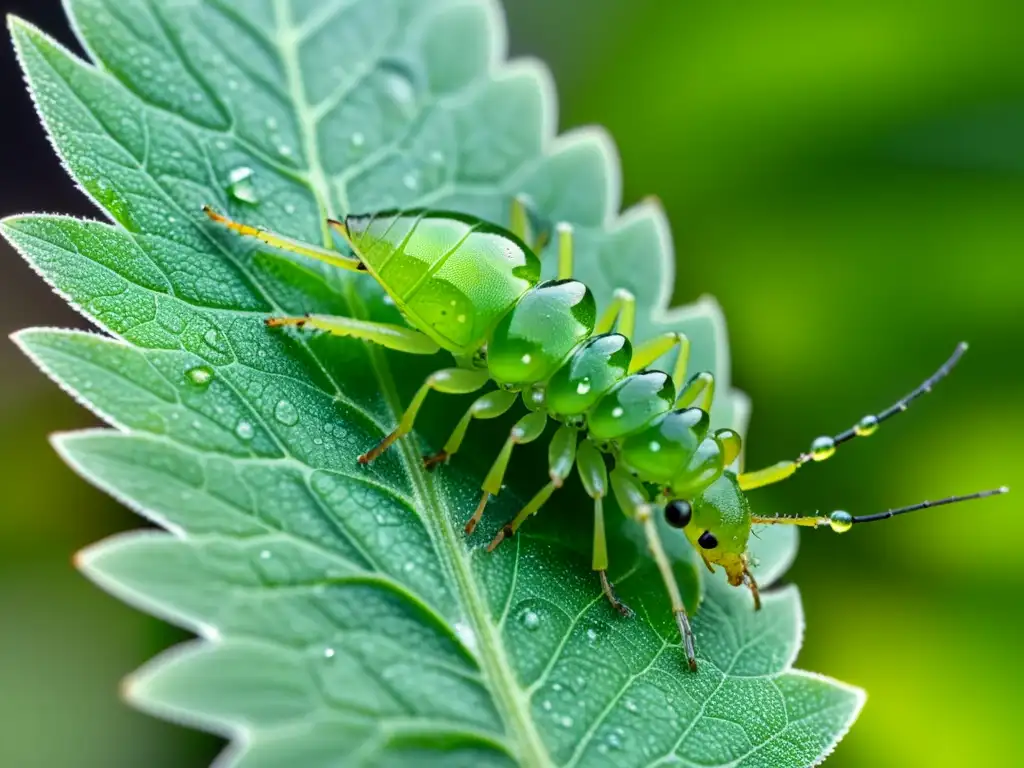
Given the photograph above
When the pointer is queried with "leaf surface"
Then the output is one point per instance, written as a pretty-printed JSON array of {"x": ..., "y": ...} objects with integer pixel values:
[{"x": 343, "y": 617}]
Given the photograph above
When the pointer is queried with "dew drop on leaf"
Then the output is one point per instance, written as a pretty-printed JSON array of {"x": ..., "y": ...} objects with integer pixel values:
[
  {"x": 265, "y": 554},
  {"x": 411, "y": 181},
  {"x": 399, "y": 85},
  {"x": 240, "y": 185},
  {"x": 244, "y": 430},
  {"x": 465, "y": 634},
  {"x": 200, "y": 376},
  {"x": 285, "y": 413},
  {"x": 530, "y": 619},
  {"x": 357, "y": 139},
  {"x": 328, "y": 653}
]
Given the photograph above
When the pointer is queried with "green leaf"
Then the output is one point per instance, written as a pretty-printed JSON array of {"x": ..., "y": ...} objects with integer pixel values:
[{"x": 343, "y": 616}]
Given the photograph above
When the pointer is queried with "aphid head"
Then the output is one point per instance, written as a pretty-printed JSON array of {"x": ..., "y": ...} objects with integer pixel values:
[{"x": 717, "y": 523}]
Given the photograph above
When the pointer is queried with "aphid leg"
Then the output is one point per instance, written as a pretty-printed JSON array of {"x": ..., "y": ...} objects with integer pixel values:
[
  {"x": 823, "y": 448},
  {"x": 634, "y": 502},
  {"x": 561, "y": 456},
  {"x": 749, "y": 580},
  {"x": 398, "y": 337},
  {"x": 594, "y": 475},
  {"x": 620, "y": 315},
  {"x": 645, "y": 354},
  {"x": 487, "y": 406},
  {"x": 526, "y": 430},
  {"x": 699, "y": 391},
  {"x": 454, "y": 381},
  {"x": 522, "y": 227},
  {"x": 334, "y": 258},
  {"x": 565, "y": 257}
]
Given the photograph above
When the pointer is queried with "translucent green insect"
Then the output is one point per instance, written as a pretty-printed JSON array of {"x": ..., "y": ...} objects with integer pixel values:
[{"x": 474, "y": 289}]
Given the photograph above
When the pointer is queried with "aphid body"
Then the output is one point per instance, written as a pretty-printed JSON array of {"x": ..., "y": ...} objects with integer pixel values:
[{"x": 474, "y": 289}]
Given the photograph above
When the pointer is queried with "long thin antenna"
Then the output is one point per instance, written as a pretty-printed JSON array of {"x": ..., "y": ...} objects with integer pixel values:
[
  {"x": 926, "y": 504},
  {"x": 867, "y": 425},
  {"x": 841, "y": 522}
]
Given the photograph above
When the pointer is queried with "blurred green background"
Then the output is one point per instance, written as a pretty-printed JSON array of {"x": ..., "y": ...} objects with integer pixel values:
[{"x": 847, "y": 179}]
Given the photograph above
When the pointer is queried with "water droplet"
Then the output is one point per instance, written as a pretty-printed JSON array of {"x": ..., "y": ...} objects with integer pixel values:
[
  {"x": 527, "y": 358},
  {"x": 466, "y": 634},
  {"x": 546, "y": 705},
  {"x": 240, "y": 185},
  {"x": 398, "y": 82},
  {"x": 617, "y": 411},
  {"x": 286, "y": 413},
  {"x": 631, "y": 706},
  {"x": 220, "y": 144},
  {"x": 654, "y": 446},
  {"x": 530, "y": 619},
  {"x": 614, "y": 740},
  {"x": 244, "y": 430},
  {"x": 409, "y": 567},
  {"x": 213, "y": 340},
  {"x": 866, "y": 426},
  {"x": 233, "y": 84},
  {"x": 822, "y": 448},
  {"x": 357, "y": 139},
  {"x": 411, "y": 181},
  {"x": 583, "y": 387},
  {"x": 271, "y": 123},
  {"x": 171, "y": 220},
  {"x": 328, "y": 653},
  {"x": 565, "y": 722},
  {"x": 461, "y": 318},
  {"x": 840, "y": 521},
  {"x": 284, "y": 150},
  {"x": 437, "y": 157},
  {"x": 200, "y": 375},
  {"x": 592, "y": 635},
  {"x": 265, "y": 554},
  {"x": 388, "y": 300},
  {"x": 289, "y": 209}
]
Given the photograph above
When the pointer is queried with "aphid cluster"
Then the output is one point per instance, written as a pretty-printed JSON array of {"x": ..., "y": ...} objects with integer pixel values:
[{"x": 474, "y": 289}]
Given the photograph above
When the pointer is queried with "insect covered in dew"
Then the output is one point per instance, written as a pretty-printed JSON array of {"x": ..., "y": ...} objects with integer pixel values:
[{"x": 474, "y": 289}]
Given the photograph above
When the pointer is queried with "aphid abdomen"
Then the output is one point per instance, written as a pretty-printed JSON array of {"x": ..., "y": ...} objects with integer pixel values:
[
  {"x": 661, "y": 452},
  {"x": 594, "y": 368},
  {"x": 631, "y": 405},
  {"x": 542, "y": 330},
  {"x": 453, "y": 277}
]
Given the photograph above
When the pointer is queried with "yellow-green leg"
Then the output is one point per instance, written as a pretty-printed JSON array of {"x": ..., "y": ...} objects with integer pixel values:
[
  {"x": 487, "y": 406},
  {"x": 699, "y": 391},
  {"x": 633, "y": 500},
  {"x": 334, "y": 258},
  {"x": 561, "y": 455},
  {"x": 526, "y": 430},
  {"x": 452, "y": 381},
  {"x": 620, "y": 315},
  {"x": 645, "y": 354},
  {"x": 397, "y": 337},
  {"x": 522, "y": 227},
  {"x": 594, "y": 475}
]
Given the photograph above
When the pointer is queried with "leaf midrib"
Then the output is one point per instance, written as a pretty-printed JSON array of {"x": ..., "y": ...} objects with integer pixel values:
[{"x": 497, "y": 672}]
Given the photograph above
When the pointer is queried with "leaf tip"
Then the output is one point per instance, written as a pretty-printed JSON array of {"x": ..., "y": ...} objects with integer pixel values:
[{"x": 22, "y": 31}]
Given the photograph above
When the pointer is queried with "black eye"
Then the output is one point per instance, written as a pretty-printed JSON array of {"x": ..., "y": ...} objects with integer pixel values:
[
  {"x": 708, "y": 540},
  {"x": 678, "y": 513}
]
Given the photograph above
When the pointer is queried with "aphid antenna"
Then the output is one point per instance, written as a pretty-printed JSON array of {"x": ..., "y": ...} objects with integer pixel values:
[
  {"x": 870, "y": 423},
  {"x": 841, "y": 521},
  {"x": 926, "y": 504}
]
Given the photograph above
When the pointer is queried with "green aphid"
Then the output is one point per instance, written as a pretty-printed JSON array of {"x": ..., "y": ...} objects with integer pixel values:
[{"x": 474, "y": 289}]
